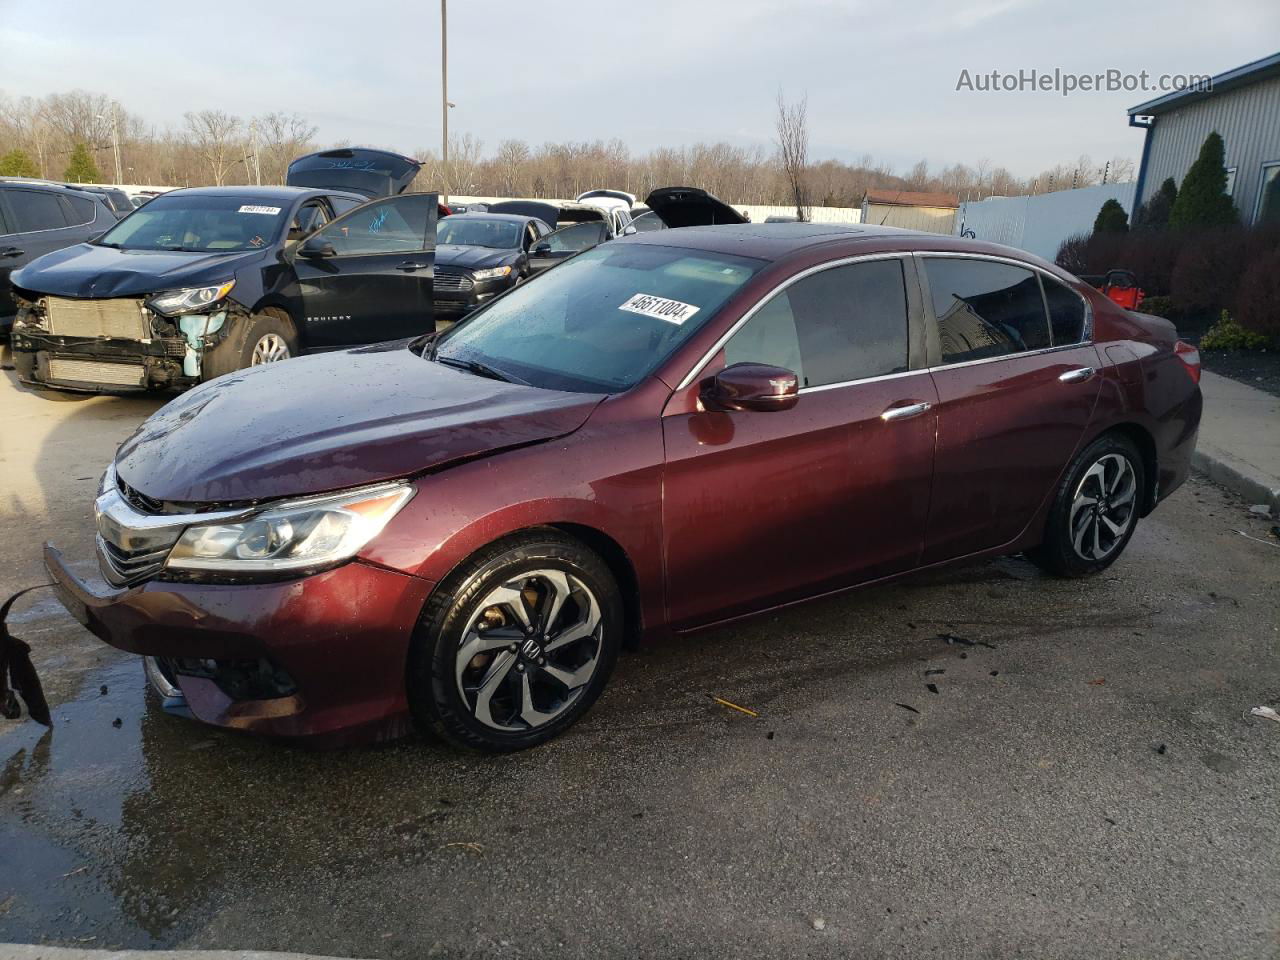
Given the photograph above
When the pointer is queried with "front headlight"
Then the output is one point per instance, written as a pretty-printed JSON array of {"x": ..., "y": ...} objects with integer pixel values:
[
  {"x": 307, "y": 534},
  {"x": 492, "y": 273},
  {"x": 190, "y": 299}
]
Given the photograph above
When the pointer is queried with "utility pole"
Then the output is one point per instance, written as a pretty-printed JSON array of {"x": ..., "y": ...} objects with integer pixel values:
[
  {"x": 253, "y": 140},
  {"x": 444, "y": 94},
  {"x": 115, "y": 139}
]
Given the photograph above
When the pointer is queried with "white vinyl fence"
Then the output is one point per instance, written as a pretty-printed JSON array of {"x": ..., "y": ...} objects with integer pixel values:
[{"x": 1039, "y": 224}]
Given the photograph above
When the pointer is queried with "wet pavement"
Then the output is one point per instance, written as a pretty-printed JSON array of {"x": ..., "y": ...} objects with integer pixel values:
[{"x": 1082, "y": 779}]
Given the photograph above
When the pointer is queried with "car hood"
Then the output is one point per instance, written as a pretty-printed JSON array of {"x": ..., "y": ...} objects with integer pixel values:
[
  {"x": 86, "y": 270},
  {"x": 458, "y": 255},
  {"x": 334, "y": 420}
]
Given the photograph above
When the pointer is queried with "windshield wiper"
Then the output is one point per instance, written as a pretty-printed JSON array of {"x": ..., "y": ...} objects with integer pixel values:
[{"x": 479, "y": 369}]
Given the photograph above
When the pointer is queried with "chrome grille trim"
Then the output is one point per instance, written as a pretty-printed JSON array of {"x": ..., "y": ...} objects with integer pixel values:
[
  {"x": 453, "y": 282},
  {"x": 124, "y": 319},
  {"x": 133, "y": 544}
]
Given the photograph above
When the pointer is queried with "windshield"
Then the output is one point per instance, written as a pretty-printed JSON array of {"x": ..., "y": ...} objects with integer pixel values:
[
  {"x": 466, "y": 232},
  {"x": 602, "y": 321},
  {"x": 198, "y": 223}
]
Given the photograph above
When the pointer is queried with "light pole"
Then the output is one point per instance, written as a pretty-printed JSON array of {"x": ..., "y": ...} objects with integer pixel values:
[
  {"x": 444, "y": 94},
  {"x": 115, "y": 137}
]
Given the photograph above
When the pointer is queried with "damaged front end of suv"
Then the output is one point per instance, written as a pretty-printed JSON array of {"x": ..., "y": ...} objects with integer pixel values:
[{"x": 122, "y": 344}]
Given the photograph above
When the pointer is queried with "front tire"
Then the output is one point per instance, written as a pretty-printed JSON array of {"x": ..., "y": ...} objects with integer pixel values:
[
  {"x": 516, "y": 645},
  {"x": 1095, "y": 509},
  {"x": 266, "y": 337}
]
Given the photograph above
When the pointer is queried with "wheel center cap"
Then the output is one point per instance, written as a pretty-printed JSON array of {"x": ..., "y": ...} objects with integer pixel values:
[{"x": 531, "y": 649}]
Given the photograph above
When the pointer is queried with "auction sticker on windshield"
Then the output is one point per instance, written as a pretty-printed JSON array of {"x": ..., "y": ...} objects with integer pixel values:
[
  {"x": 660, "y": 308},
  {"x": 251, "y": 208}
]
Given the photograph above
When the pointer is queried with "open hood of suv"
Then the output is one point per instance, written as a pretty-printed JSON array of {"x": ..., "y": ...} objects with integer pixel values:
[
  {"x": 372, "y": 173},
  {"x": 690, "y": 207}
]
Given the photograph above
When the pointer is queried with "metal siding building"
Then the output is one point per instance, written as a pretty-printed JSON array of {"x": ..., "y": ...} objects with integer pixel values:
[{"x": 1244, "y": 107}]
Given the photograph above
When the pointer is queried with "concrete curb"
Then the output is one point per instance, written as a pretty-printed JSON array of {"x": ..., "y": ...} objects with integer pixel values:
[
  {"x": 1236, "y": 475},
  {"x": 23, "y": 951}
]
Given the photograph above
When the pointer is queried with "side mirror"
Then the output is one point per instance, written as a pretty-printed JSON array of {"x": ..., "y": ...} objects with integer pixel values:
[
  {"x": 751, "y": 386},
  {"x": 317, "y": 248},
  {"x": 542, "y": 249},
  {"x": 629, "y": 230}
]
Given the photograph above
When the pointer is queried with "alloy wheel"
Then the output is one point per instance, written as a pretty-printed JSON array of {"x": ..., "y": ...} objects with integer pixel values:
[
  {"x": 1104, "y": 507},
  {"x": 270, "y": 348},
  {"x": 530, "y": 650}
]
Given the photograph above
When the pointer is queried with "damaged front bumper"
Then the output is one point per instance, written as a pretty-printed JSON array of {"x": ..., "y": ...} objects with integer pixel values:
[
  {"x": 321, "y": 657},
  {"x": 170, "y": 355}
]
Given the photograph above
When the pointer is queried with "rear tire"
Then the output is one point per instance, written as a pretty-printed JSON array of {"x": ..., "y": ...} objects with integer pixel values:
[
  {"x": 266, "y": 337},
  {"x": 1095, "y": 509},
  {"x": 488, "y": 671}
]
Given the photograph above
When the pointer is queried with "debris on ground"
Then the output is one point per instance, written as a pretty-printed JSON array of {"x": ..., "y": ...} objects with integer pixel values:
[
  {"x": 907, "y": 706},
  {"x": 1268, "y": 712},
  {"x": 117, "y": 723},
  {"x": 1261, "y": 509},
  {"x": 953, "y": 640},
  {"x": 931, "y": 687},
  {"x": 1160, "y": 748},
  {"x": 769, "y": 735},
  {"x": 1097, "y": 681},
  {"x": 819, "y": 924},
  {"x": 995, "y": 673},
  {"x": 18, "y": 676},
  {"x": 469, "y": 845},
  {"x": 102, "y": 690},
  {"x": 935, "y": 672},
  {"x": 733, "y": 706},
  {"x": 1249, "y": 536}
]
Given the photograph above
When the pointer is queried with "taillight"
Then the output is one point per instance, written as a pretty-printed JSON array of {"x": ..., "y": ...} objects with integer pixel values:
[{"x": 1190, "y": 358}]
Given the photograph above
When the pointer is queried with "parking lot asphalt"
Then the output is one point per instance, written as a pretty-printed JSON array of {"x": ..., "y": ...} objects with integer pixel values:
[{"x": 1078, "y": 776}]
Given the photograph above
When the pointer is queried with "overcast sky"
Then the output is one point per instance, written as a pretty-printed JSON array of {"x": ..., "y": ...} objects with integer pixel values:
[{"x": 880, "y": 76}]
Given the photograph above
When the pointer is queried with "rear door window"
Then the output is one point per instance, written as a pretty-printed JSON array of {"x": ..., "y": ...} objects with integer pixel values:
[
  {"x": 985, "y": 309},
  {"x": 845, "y": 323},
  {"x": 1066, "y": 312},
  {"x": 35, "y": 210}
]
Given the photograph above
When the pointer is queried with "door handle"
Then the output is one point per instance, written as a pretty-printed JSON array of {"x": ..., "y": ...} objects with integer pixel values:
[
  {"x": 409, "y": 266},
  {"x": 1078, "y": 375},
  {"x": 903, "y": 413},
  {"x": 11, "y": 252}
]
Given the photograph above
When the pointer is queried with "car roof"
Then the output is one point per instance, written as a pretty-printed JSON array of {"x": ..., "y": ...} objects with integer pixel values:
[
  {"x": 482, "y": 215},
  {"x": 776, "y": 241},
  {"x": 50, "y": 184},
  {"x": 282, "y": 194},
  {"x": 765, "y": 241}
]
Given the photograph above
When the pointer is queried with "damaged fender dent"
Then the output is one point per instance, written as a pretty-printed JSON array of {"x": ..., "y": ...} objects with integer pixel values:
[{"x": 201, "y": 331}]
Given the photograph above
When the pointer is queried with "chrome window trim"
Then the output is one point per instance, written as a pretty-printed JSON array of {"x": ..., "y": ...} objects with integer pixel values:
[
  {"x": 774, "y": 291},
  {"x": 852, "y": 383},
  {"x": 1013, "y": 262}
]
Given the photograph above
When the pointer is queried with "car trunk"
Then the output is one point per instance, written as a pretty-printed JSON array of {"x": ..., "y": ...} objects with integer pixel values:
[
  {"x": 371, "y": 173},
  {"x": 691, "y": 207}
]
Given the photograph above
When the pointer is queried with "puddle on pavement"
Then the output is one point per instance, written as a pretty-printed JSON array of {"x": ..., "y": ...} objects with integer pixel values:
[{"x": 132, "y": 836}]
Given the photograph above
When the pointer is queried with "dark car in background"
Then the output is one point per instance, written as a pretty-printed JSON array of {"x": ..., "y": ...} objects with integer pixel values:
[
  {"x": 204, "y": 281},
  {"x": 480, "y": 255},
  {"x": 666, "y": 432},
  {"x": 577, "y": 227},
  {"x": 38, "y": 217},
  {"x": 114, "y": 197}
]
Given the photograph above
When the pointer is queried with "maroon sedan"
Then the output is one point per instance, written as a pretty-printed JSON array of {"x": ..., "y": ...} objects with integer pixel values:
[{"x": 667, "y": 432}]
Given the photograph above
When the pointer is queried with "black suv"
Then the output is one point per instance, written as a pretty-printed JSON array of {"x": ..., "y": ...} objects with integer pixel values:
[
  {"x": 37, "y": 217},
  {"x": 201, "y": 282}
]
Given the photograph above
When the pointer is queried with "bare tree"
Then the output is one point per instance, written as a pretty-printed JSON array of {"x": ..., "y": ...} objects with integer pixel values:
[
  {"x": 214, "y": 135},
  {"x": 464, "y": 158},
  {"x": 793, "y": 150},
  {"x": 511, "y": 163},
  {"x": 281, "y": 138}
]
